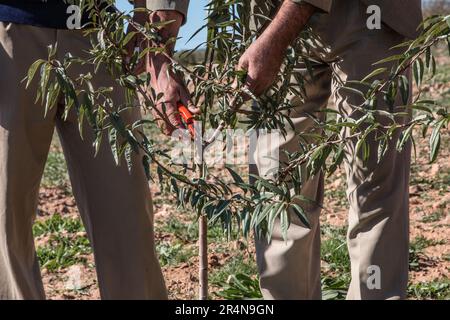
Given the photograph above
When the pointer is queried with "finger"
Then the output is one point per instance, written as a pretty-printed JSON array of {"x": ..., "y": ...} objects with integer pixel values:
[
  {"x": 172, "y": 120},
  {"x": 186, "y": 100},
  {"x": 158, "y": 119},
  {"x": 242, "y": 64},
  {"x": 165, "y": 124},
  {"x": 194, "y": 109}
]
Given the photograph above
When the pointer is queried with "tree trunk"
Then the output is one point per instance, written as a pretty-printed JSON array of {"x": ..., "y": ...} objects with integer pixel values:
[{"x": 203, "y": 258}]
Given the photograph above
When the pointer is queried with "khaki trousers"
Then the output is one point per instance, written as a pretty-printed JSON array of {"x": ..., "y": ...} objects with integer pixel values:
[
  {"x": 378, "y": 234},
  {"x": 115, "y": 204}
]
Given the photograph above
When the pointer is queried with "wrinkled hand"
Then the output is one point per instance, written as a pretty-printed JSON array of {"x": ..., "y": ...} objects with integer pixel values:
[
  {"x": 167, "y": 85},
  {"x": 262, "y": 61},
  {"x": 172, "y": 90},
  {"x": 264, "y": 57}
]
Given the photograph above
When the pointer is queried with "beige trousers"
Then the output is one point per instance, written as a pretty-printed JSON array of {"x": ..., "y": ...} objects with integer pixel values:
[
  {"x": 378, "y": 235},
  {"x": 115, "y": 205}
]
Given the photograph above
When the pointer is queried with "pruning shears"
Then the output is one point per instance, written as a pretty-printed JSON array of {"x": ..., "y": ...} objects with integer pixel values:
[{"x": 187, "y": 117}]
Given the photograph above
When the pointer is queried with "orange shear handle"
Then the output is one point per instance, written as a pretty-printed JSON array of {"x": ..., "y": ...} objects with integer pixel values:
[{"x": 187, "y": 117}]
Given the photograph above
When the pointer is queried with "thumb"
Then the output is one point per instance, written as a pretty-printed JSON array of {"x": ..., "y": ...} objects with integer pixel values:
[
  {"x": 186, "y": 100},
  {"x": 241, "y": 66},
  {"x": 168, "y": 118},
  {"x": 243, "y": 63}
]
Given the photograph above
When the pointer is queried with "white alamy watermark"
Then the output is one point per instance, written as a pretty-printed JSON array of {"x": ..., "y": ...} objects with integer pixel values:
[
  {"x": 374, "y": 20},
  {"x": 74, "y": 19},
  {"x": 232, "y": 147},
  {"x": 374, "y": 277}
]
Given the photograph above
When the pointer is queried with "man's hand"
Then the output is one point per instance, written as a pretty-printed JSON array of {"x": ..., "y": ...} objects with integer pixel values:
[
  {"x": 167, "y": 85},
  {"x": 264, "y": 57},
  {"x": 172, "y": 90},
  {"x": 262, "y": 61}
]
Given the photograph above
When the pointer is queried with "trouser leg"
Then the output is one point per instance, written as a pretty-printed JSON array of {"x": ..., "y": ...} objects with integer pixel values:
[
  {"x": 291, "y": 269},
  {"x": 25, "y": 137},
  {"x": 378, "y": 235},
  {"x": 115, "y": 203}
]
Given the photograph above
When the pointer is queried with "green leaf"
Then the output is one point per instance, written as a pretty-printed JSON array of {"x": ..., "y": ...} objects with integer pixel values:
[
  {"x": 404, "y": 89},
  {"x": 146, "y": 165},
  {"x": 273, "y": 215},
  {"x": 374, "y": 73},
  {"x": 268, "y": 185},
  {"x": 300, "y": 213},
  {"x": 113, "y": 144},
  {"x": 405, "y": 137},
  {"x": 447, "y": 19},
  {"x": 236, "y": 177},
  {"x": 418, "y": 71},
  {"x": 390, "y": 59},
  {"x": 382, "y": 148},
  {"x": 32, "y": 71},
  {"x": 284, "y": 223},
  {"x": 129, "y": 157},
  {"x": 355, "y": 91},
  {"x": 130, "y": 35},
  {"x": 435, "y": 140}
]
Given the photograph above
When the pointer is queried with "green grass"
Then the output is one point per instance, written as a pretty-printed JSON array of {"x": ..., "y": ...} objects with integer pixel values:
[
  {"x": 66, "y": 245},
  {"x": 63, "y": 251},
  {"x": 237, "y": 264},
  {"x": 339, "y": 195},
  {"x": 334, "y": 252},
  {"x": 57, "y": 224},
  {"x": 418, "y": 245},
  {"x": 435, "y": 290},
  {"x": 443, "y": 74},
  {"x": 435, "y": 216},
  {"x": 174, "y": 254},
  {"x": 334, "y": 249},
  {"x": 237, "y": 279},
  {"x": 334, "y": 288},
  {"x": 55, "y": 172},
  {"x": 183, "y": 237},
  {"x": 240, "y": 286},
  {"x": 440, "y": 182},
  {"x": 186, "y": 232}
]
